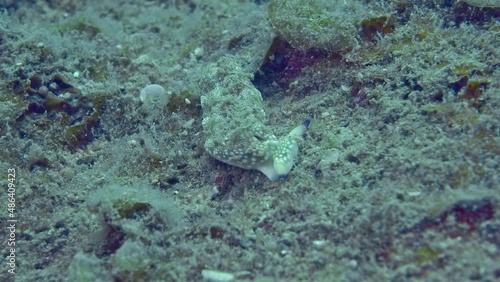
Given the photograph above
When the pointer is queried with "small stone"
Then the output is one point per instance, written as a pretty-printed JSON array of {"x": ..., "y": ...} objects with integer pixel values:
[
  {"x": 353, "y": 263},
  {"x": 132, "y": 143},
  {"x": 198, "y": 52},
  {"x": 345, "y": 88},
  {"x": 154, "y": 95}
]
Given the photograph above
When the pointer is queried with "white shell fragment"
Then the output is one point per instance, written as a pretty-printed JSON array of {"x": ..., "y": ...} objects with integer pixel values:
[{"x": 217, "y": 276}]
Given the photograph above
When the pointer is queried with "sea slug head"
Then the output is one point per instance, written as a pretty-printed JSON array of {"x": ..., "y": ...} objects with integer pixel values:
[
  {"x": 288, "y": 150},
  {"x": 283, "y": 161}
]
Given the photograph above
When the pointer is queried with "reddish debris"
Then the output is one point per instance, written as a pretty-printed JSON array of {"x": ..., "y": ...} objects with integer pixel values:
[{"x": 461, "y": 219}]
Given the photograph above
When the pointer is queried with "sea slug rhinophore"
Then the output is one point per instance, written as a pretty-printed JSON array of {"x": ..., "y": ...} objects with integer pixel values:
[{"x": 234, "y": 123}]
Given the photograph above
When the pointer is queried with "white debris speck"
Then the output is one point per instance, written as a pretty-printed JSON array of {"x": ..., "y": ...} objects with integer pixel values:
[
  {"x": 319, "y": 244},
  {"x": 414, "y": 193}
]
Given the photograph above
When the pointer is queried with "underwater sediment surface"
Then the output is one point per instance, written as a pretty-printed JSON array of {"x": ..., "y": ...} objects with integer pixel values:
[{"x": 165, "y": 140}]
